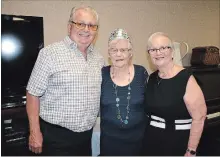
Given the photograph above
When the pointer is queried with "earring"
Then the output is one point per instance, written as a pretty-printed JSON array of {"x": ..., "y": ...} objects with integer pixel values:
[{"x": 173, "y": 55}]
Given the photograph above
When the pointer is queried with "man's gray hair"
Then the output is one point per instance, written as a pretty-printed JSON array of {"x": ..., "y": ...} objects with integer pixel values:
[
  {"x": 86, "y": 8},
  {"x": 149, "y": 42}
]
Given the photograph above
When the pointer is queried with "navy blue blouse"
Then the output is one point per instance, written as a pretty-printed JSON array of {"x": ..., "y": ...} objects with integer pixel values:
[{"x": 118, "y": 138}]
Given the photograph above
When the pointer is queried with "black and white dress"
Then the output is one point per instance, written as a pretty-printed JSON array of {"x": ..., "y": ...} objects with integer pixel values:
[{"x": 169, "y": 122}]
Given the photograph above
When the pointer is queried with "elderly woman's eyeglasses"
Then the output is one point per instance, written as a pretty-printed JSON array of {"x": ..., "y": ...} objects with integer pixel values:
[
  {"x": 113, "y": 51},
  {"x": 161, "y": 49},
  {"x": 83, "y": 26}
]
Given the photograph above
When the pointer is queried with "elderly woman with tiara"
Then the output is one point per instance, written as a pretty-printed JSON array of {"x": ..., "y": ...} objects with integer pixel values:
[{"x": 122, "y": 100}]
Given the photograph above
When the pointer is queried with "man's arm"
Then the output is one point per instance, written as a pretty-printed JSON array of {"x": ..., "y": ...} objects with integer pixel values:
[
  {"x": 35, "y": 138},
  {"x": 33, "y": 107},
  {"x": 36, "y": 87}
]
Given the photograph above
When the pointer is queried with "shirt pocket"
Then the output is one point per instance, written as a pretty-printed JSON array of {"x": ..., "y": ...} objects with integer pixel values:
[
  {"x": 61, "y": 77},
  {"x": 95, "y": 77}
]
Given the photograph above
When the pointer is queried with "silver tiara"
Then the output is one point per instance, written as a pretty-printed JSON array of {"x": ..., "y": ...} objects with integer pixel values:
[{"x": 119, "y": 34}]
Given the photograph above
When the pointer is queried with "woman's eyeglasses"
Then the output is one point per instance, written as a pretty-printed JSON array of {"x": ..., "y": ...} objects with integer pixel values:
[
  {"x": 113, "y": 51},
  {"x": 161, "y": 49}
]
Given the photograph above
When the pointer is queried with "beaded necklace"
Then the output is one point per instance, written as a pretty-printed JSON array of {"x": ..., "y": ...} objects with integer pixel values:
[{"x": 118, "y": 112}]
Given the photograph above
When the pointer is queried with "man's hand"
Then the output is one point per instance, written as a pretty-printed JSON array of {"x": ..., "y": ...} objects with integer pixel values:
[{"x": 36, "y": 142}]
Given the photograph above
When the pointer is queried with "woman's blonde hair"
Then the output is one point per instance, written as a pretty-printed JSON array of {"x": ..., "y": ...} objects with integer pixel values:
[{"x": 149, "y": 42}]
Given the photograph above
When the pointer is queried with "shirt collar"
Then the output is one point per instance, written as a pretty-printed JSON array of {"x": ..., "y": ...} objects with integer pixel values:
[{"x": 73, "y": 44}]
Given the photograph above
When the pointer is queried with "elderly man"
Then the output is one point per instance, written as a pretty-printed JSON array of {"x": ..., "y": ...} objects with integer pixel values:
[{"x": 63, "y": 92}]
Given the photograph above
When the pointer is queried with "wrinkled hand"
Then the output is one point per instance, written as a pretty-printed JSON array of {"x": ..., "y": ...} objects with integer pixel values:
[{"x": 35, "y": 142}]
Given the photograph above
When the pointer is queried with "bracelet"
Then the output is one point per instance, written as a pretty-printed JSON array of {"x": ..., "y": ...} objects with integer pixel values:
[{"x": 192, "y": 152}]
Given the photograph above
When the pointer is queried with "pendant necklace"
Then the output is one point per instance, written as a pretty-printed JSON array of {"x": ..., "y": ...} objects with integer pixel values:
[{"x": 159, "y": 79}]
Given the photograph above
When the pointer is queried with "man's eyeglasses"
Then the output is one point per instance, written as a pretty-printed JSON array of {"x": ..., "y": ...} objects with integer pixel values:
[
  {"x": 161, "y": 49},
  {"x": 83, "y": 26},
  {"x": 113, "y": 51}
]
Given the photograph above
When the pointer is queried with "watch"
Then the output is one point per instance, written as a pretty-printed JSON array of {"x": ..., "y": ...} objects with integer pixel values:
[{"x": 192, "y": 152}]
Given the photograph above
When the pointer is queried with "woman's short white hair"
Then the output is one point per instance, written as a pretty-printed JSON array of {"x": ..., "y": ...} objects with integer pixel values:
[
  {"x": 86, "y": 8},
  {"x": 149, "y": 42}
]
